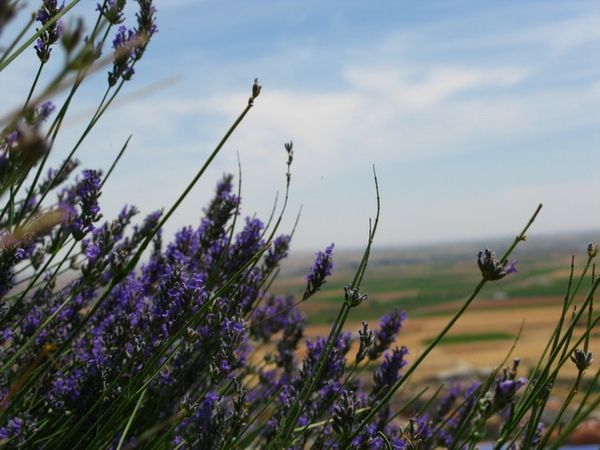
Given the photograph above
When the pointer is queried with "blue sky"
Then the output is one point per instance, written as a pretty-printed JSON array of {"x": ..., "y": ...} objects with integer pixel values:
[{"x": 472, "y": 113}]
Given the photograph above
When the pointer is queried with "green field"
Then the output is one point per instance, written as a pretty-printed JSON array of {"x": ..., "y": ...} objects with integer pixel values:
[
  {"x": 421, "y": 279},
  {"x": 467, "y": 338}
]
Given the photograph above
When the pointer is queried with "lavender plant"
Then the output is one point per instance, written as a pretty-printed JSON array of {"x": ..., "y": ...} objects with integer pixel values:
[{"x": 186, "y": 347}]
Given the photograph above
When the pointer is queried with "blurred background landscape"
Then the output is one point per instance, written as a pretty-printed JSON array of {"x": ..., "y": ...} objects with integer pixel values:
[{"x": 430, "y": 283}]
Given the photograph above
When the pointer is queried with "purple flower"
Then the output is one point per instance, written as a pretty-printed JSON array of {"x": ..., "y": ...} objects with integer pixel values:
[
  {"x": 51, "y": 34},
  {"x": 271, "y": 316},
  {"x": 211, "y": 233},
  {"x": 366, "y": 339},
  {"x": 277, "y": 251},
  {"x": 491, "y": 268},
  {"x": 92, "y": 252},
  {"x": 506, "y": 387},
  {"x": 213, "y": 423},
  {"x": 448, "y": 434},
  {"x": 16, "y": 429},
  {"x": 344, "y": 416},
  {"x": 389, "y": 371},
  {"x": 146, "y": 26},
  {"x": 55, "y": 178},
  {"x": 336, "y": 361},
  {"x": 247, "y": 244},
  {"x": 389, "y": 326},
  {"x": 287, "y": 346},
  {"x": 512, "y": 268},
  {"x": 87, "y": 193},
  {"x": 320, "y": 271},
  {"x": 447, "y": 402},
  {"x": 43, "y": 112},
  {"x": 124, "y": 45}
]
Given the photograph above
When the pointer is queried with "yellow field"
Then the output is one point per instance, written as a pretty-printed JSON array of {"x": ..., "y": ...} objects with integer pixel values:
[{"x": 484, "y": 316}]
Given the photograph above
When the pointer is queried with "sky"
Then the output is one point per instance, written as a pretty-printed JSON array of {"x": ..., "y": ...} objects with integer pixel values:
[{"x": 470, "y": 113}]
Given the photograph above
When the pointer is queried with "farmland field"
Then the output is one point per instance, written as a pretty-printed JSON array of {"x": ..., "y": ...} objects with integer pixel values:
[{"x": 431, "y": 282}]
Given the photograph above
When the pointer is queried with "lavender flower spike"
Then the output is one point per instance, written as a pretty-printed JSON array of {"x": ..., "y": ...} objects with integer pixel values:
[
  {"x": 124, "y": 45},
  {"x": 321, "y": 270},
  {"x": 367, "y": 338},
  {"x": 507, "y": 386},
  {"x": 49, "y": 10},
  {"x": 491, "y": 268},
  {"x": 389, "y": 326}
]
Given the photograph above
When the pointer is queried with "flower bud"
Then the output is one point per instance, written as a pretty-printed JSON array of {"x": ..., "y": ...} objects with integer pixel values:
[{"x": 582, "y": 359}]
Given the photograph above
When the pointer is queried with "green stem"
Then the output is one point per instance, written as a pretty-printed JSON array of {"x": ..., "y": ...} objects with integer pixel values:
[
  {"x": 130, "y": 421},
  {"x": 136, "y": 257},
  {"x": 6, "y": 61},
  {"x": 33, "y": 85},
  {"x": 16, "y": 40},
  {"x": 283, "y": 437},
  {"x": 438, "y": 338}
]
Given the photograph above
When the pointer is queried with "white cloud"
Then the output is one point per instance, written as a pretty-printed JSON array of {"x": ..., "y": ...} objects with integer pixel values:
[
  {"x": 420, "y": 87},
  {"x": 562, "y": 35},
  {"x": 385, "y": 117},
  {"x": 388, "y": 100},
  {"x": 550, "y": 30}
]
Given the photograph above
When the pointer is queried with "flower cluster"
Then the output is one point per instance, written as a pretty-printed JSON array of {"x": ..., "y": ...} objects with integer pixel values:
[
  {"x": 507, "y": 386},
  {"x": 163, "y": 330},
  {"x": 113, "y": 335},
  {"x": 51, "y": 31},
  {"x": 162, "y": 321},
  {"x": 85, "y": 194},
  {"x": 129, "y": 44},
  {"x": 389, "y": 326},
  {"x": 146, "y": 26},
  {"x": 319, "y": 272},
  {"x": 124, "y": 45}
]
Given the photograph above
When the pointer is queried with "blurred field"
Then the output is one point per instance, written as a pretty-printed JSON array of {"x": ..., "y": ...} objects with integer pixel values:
[
  {"x": 430, "y": 284},
  {"x": 481, "y": 339}
]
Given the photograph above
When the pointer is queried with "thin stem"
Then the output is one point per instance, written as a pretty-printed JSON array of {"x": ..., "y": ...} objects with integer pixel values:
[
  {"x": 117, "y": 278},
  {"x": 438, "y": 338},
  {"x": 33, "y": 85},
  {"x": 16, "y": 41},
  {"x": 133, "y": 262},
  {"x": 288, "y": 422},
  {"x": 6, "y": 61}
]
